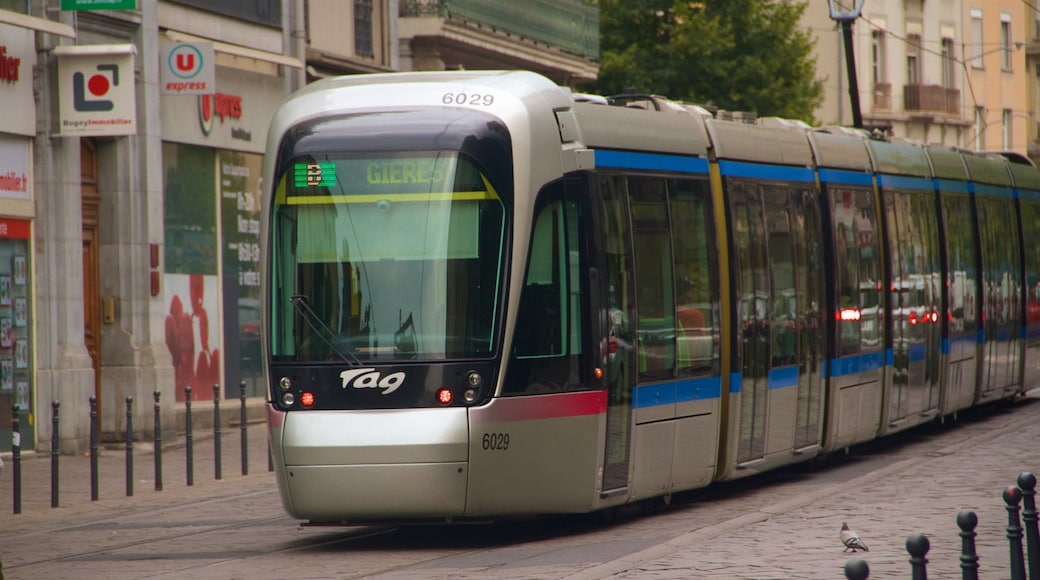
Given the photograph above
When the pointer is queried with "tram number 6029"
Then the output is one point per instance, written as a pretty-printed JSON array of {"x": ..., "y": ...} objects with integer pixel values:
[
  {"x": 468, "y": 99},
  {"x": 495, "y": 441}
]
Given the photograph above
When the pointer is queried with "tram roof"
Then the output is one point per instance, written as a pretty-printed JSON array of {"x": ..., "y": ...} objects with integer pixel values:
[{"x": 754, "y": 143}]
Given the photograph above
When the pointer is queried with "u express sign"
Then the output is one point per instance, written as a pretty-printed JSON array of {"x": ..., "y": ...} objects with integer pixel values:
[{"x": 187, "y": 68}]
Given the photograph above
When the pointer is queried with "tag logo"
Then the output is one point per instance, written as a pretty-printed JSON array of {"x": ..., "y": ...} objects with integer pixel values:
[
  {"x": 98, "y": 85},
  {"x": 370, "y": 378}
]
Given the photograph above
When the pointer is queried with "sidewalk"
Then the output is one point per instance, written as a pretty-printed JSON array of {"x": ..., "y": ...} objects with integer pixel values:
[{"x": 74, "y": 477}]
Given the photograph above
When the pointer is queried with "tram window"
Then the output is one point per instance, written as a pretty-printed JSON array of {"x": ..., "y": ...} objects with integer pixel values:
[
  {"x": 654, "y": 283},
  {"x": 548, "y": 337},
  {"x": 858, "y": 269},
  {"x": 695, "y": 285},
  {"x": 783, "y": 308},
  {"x": 961, "y": 278}
]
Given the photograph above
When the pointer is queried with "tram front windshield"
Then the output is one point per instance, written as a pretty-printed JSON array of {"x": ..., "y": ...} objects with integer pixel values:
[{"x": 395, "y": 256}]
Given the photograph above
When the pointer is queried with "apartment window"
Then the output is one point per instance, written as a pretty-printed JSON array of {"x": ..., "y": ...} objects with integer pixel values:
[
  {"x": 363, "y": 28},
  {"x": 913, "y": 59},
  {"x": 949, "y": 70},
  {"x": 1005, "y": 41},
  {"x": 877, "y": 56},
  {"x": 976, "y": 39},
  {"x": 1005, "y": 129},
  {"x": 980, "y": 128}
]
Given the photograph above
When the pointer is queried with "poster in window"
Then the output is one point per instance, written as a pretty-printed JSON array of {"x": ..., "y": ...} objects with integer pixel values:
[
  {"x": 7, "y": 375},
  {"x": 21, "y": 354},
  {"x": 20, "y": 269},
  {"x": 5, "y": 290},
  {"x": 6, "y": 333},
  {"x": 21, "y": 311}
]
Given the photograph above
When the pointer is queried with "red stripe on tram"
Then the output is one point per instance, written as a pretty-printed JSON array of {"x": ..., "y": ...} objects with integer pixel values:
[{"x": 534, "y": 407}]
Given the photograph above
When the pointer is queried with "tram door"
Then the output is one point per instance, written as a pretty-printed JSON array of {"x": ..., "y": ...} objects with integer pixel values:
[
  {"x": 776, "y": 235},
  {"x": 618, "y": 308},
  {"x": 916, "y": 302},
  {"x": 751, "y": 278}
]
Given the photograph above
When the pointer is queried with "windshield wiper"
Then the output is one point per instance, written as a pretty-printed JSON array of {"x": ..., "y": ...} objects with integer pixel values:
[{"x": 302, "y": 305}]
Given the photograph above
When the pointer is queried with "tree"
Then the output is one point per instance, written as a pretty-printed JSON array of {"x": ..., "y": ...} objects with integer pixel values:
[{"x": 741, "y": 55}]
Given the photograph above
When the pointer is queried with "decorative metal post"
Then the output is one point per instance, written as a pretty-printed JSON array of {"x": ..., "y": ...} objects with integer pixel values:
[
  {"x": 967, "y": 521},
  {"x": 129, "y": 446},
  {"x": 158, "y": 444},
  {"x": 917, "y": 545},
  {"x": 1027, "y": 485},
  {"x": 216, "y": 431},
  {"x": 93, "y": 449},
  {"x": 1014, "y": 533},
  {"x": 189, "y": 450},
  {"x": 16, "y": 458},
  {"x": 55, "y": 452},
  {"x": 242, "y": 418},
  {"x": 857, "y": 570}
]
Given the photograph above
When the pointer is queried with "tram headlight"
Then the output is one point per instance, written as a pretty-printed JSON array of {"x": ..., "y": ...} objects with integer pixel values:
[
  {"x": 288, "y": 399},
  {"x": 285, "y": 383},
  {"x": 474, "y": 379},
  {"x": 469, "y": 395}
]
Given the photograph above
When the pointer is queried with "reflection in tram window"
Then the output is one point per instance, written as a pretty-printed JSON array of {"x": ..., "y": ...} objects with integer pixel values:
[{"x": 858, "y": 272}]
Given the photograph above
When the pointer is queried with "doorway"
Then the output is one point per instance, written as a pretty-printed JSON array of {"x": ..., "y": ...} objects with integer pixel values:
[{"x": 91, "y": 201}]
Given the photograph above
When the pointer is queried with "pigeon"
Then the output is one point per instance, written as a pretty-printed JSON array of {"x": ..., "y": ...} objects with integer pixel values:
[{"x": 851, "y": 539}]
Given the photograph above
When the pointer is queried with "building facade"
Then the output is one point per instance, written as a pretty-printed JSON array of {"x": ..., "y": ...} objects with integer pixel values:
[
  {"x": 130, "y": 188},
  {"x": 952, "y": 72}
]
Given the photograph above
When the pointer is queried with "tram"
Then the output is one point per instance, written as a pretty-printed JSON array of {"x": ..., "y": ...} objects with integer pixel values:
[{"x": 486, "y": 296}]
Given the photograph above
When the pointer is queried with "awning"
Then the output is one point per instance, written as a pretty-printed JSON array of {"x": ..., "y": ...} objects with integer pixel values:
[
  {"x": 37, "y": 24},
  {"x": 238, "y": 50}
]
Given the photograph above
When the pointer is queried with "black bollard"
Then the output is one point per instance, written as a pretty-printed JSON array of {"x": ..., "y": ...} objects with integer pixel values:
[
  {"x": 1027, "y": 485},
  {"x": 129, "y": 446},
  {"x": 16, "y": 459},
  {"x": 242, "y": 420},
  {"x": 216, "y": 431},
  {"x": 917, "y": 545},
  {"x": 189, "y": 445},
  {"x": 857, "y": 570},
  {"x": 93, "y": 449},
  {"x": 158, "y": 444},
  {"x": 1014, "y": 533},
  {"x": 967, "y": 521},
  {"x": 55, "y": 452}
]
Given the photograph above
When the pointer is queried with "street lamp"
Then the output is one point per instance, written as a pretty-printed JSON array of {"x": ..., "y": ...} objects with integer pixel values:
[{"x": 846, "y": 12}]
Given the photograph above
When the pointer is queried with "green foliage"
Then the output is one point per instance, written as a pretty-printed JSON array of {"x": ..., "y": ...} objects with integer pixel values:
[{"x": 741, "y": 55}]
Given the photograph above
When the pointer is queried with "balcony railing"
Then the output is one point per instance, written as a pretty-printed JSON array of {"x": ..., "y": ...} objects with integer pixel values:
[
  {"x": 571, "y": 26},
  {"x": 931, "y": 98},
  {"x": 883, "y": 96}
]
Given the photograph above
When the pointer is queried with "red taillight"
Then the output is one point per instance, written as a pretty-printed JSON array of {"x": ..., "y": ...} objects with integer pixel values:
[
  {"x": 849, "y": 314},
  {"x": 444, "y": 397},
  {"x": 307, "y": 399}
]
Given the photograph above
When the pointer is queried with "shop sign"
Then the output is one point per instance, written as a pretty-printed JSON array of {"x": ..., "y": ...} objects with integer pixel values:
[
  {"x": 96, "y": 93},
  {"x": 17, "y": 57},
  {"x": 15, "y": 174},
  {"x": 236, "y": 118},
  {"x": 14, "y": 229},
  {"x": 187, "y": 68},
  {"x": 99, "y": 4}
]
